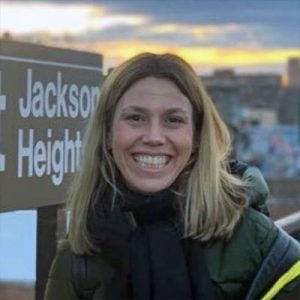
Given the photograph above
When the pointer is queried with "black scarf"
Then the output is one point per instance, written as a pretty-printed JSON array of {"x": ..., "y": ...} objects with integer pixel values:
[{"x": 141, "y": 237}]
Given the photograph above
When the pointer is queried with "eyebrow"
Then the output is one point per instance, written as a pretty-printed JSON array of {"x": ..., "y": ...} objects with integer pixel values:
[{"x": 144, "y": 110}]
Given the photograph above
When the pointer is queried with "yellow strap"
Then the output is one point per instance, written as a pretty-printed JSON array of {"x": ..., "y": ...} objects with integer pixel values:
[{"x": 287, "y": 277}]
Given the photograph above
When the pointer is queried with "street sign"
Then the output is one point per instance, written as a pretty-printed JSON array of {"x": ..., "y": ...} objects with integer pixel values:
[{"x": 46, "y": 96}]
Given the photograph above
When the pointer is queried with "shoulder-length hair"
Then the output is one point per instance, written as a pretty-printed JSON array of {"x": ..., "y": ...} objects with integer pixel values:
[{"x": 213, "y": 201}]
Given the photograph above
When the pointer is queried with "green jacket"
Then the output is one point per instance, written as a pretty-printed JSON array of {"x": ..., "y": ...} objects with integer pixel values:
[{"x": 244, "y": 267}]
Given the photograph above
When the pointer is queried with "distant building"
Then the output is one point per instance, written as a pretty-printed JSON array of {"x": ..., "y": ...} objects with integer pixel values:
[
  {"x": 263, "y": 117},
  {"x": 222, "y": 88},
  {"x": 289, "y": 107},
  {"x": 232, "y": 92},
  {"x": 226, "y": 99},
  {"x": 293, "y": 69},
  {"x": 228, "y": 76}
]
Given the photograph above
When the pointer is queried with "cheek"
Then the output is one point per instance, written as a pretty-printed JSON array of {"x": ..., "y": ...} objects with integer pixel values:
[{"x": 122, "y": 136}]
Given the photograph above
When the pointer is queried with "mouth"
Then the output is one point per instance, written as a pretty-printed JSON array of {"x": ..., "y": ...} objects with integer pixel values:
[{"x": 151, "y": 161}]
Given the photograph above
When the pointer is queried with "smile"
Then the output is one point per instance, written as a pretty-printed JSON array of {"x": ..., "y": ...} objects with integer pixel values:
[{"x": 151, "y": 161}]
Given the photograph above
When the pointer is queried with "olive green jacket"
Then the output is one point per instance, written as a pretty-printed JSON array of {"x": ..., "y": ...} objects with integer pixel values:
[
  {"x": 232, "y": 265},
  {"x": 239, "y": 268}
]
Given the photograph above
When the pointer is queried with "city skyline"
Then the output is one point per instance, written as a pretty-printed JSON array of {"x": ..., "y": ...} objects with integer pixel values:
[{"x": 249, "y": 36}]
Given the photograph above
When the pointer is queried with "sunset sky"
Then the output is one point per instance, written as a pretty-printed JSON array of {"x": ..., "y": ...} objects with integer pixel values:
[{"x": 248, "y": 35}]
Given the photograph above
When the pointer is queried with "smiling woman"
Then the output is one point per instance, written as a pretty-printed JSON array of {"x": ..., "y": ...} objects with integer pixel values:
[
  {"x": 152, "y": 134},
  {"x": 157, "y": 209}
]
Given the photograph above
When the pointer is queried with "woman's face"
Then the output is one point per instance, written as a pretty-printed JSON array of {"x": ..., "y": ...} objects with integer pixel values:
[{"x": 152, "y": 134}]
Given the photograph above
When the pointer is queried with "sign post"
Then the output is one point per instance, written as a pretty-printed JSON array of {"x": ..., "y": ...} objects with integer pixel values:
[{"x": 46, "y": 96}]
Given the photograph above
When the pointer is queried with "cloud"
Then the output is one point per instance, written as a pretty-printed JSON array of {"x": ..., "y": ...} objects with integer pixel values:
[
  {"x": 230, "y": 34},
  {"x": 61, "y": 19},
  {"x": 190, "y": 23},
  {"x": 205, "y": 34},
  {"x": 115, "y": 52},
  {"x": 119, "y": 20},
  {"x": 198, "y": 31},
  {"x": 236, "y": 56},
  {"x": 33, "y": 18}
]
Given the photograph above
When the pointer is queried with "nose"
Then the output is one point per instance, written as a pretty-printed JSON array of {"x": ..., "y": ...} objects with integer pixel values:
[{"x": 154, "y": 134}]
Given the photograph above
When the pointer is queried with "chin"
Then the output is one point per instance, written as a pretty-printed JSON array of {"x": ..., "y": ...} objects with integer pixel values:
[{"x": 149, "y": 188}]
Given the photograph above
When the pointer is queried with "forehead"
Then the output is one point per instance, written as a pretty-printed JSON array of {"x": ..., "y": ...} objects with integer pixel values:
[{"x": 154, "y": 92}]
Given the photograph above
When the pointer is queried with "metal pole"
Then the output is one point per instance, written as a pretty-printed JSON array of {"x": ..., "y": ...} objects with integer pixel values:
[{"x": 46, "y": 246}]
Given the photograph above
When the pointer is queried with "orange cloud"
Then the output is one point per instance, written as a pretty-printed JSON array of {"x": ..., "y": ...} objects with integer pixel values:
[
  {"x": 235, "y": 56},
  {"x": 122, "y": 50},
  {"x": 197, "y": 31},
  {"x": 118, "y": 51}
]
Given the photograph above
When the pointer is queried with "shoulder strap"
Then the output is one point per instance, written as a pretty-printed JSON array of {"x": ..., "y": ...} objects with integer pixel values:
[
  {"x": 83, "y": 279},
  {"x": 292, "y": 274},
  {"x": 284, "y": 252}
]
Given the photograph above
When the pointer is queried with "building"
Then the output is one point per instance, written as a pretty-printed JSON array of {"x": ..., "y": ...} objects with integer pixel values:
[
  {"x": 293, "y": 69},
  {"x": 233, "y": 93}
]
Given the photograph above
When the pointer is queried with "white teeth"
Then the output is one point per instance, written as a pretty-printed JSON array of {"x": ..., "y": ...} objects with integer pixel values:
[{"x": 148, "y": 161}]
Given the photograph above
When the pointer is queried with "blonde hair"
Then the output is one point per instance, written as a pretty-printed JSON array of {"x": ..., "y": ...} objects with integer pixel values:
[{"x": 213, "y": 201}]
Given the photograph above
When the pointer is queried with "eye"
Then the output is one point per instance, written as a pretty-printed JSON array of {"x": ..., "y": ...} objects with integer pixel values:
[
  {"x": 175, "y": 120},
  {"x": 135, "y": 118}
]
